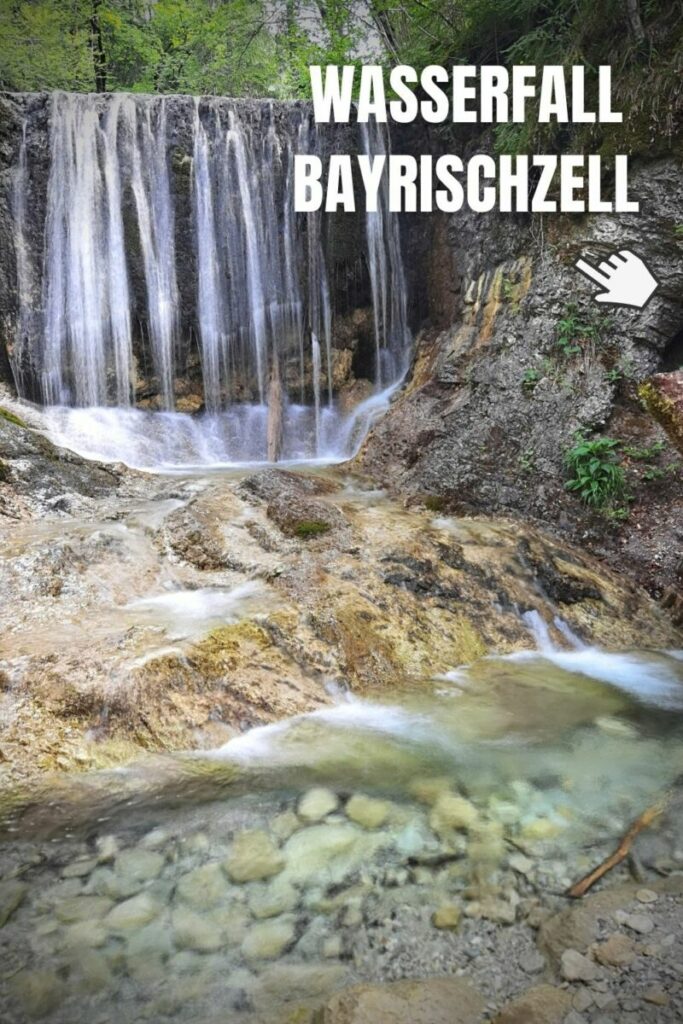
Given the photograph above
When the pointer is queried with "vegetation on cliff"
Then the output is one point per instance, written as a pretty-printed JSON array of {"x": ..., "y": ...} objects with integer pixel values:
[{"x": 256, "y": 48}]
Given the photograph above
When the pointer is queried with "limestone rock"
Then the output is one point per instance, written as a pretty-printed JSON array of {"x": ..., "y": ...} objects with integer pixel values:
[
  {"x": 574, "y": 966},
  {"x": 432, "y": 1001},
  {"x": 367, "y": 812},
  {"x": 543, "y": 1004},
  {"x": 317, "y": 803},
  {"x": 253, "y": 856},
  {"x": 269, "y": 939}
]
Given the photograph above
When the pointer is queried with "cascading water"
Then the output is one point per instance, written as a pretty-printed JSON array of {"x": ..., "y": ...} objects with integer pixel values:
[{"x": 172, "y": 248}]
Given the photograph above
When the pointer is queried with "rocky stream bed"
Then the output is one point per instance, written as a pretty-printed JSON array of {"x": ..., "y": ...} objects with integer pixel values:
[{"x": 280, "y": 748}]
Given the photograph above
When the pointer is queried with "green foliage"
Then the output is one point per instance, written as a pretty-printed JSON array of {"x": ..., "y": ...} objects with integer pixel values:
[
  {"x": 527, "y": 460},
  {"x": 596, "y": 474},
  {"x": 644, "y": 454},
  {"x": 576, "y": 329},
  {"x": 530, "y": 379},
  {"x": 310, "y": 528}
]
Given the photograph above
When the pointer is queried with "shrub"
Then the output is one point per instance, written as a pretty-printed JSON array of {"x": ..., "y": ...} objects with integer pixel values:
[{"x": 597, "y": 477}]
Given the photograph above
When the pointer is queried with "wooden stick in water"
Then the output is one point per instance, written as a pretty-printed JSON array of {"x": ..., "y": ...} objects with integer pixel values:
[{"x": 581, "y": 887}]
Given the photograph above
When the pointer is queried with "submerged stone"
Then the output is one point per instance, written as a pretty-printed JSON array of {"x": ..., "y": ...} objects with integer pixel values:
[
  {"x": 317, "y": 804},
  {"x": 269, "y": 939},
  {"x": 253, "y": 856},
  {"x": 133, "y": 913},
  {"x": 432, "y": 1001},
  {"x": 191, "y": 931},
  {"x": 368, "y": 812},
  {"x": 203, "y": 887},
  {"x": 330, "y": 852}
]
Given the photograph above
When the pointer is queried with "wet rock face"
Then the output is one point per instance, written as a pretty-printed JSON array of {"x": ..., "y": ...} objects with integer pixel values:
[{"x": 519, "y": 358}]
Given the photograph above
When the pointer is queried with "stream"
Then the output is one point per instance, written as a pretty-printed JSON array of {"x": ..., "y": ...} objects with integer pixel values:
[{"x": 256, "y": 876}]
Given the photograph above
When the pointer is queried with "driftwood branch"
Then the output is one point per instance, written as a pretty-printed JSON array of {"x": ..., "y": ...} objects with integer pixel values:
[{"x": 644, "y": 821}]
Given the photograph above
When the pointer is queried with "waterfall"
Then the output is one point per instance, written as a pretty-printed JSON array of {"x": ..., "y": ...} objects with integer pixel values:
[
  {"x": 387, "y": 278},
  {"x": 315, "y": 352},
  {"x": 174, "y": 264}
]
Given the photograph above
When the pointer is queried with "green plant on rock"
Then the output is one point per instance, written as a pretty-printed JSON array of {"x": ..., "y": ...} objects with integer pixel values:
[
  {"x": 530, "y": 379},
  {"x": 596, "y": 474},
  {"x": 527, "y": 461},
  {"x": 575, "y": 329},
  {"x": 310, "y": 528},
  {"x": 644, "y": 454}
]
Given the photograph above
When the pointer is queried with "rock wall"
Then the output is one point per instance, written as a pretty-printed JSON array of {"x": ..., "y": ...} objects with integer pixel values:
[{"x": 496, "y": 395}]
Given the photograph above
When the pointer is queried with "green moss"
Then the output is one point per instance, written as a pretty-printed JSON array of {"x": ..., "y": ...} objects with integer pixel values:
[
  {"x": 435, "y": 502},
  {"x": 310, "y": 528},
  {"x": 5, "y": 414}
]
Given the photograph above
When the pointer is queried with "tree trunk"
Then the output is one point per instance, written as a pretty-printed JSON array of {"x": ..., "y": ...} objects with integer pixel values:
[{"x": 97, "y": 43}]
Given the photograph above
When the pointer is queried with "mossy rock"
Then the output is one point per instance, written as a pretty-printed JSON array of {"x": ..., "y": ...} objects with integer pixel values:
[
  {"x": 11, "y": 417},
  {"x": 310, "y": 528},
  {"x": 662, "y": 396}
]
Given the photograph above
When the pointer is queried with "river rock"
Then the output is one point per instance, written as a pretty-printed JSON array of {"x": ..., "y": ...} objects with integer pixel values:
[
  {"x": 616, "y": 951},
  {"x": 294, "y": 981},
  {"x": 91, "y": 972},
  {"x": 133, "y": 913},
  {"x": 452, "y": 812},
  {"x": 432, "y": 1001},
  {"x": 641, "y": 923},
  {"x": 646, "y": 896},
  {"x": 203, "y": 887},
  {"x": 447, "y": 916},
  {"x": 12, "y": 894},
  {"x": 79, "y": 868},
  {"x": 278, "y": 897},
  {"x": 38, "y": 992},
  {"x": 367, "y": 812},
  {"x": 316, "y": 804},
  {"x": 543, "y": 1004},
  {"x": 152, "y": 940},
  {"x": 85, "y": 934},
  {"x": 191, "y": 931},
  {"x": 269, "y": 939},
  {"x": 330, "y": 853},
  {"x": 428, "y": 790},
  {"x": 285, "y": 825},
  {"x": 253, "y": 856},
  {"x": 574, "y": 966},
  {"x": 138, "y": 865},
  {"x": 82, "y": 908}
]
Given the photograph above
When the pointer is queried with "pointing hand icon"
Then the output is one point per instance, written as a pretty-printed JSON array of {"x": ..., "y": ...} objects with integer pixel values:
[{"x": 626, "y": 280}]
